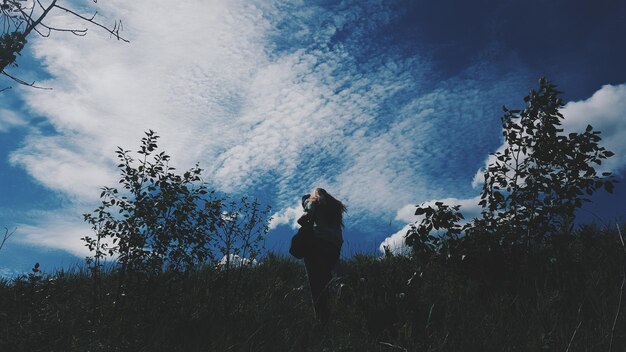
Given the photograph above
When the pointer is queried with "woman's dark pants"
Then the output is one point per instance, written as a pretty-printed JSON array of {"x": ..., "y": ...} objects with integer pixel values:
[{"x": 319, "y": 264}]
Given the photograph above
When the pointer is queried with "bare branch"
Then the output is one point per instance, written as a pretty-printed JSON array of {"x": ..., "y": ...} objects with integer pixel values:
[
  {"x": 114, "y": 31},
  {"x": 22, "y": 82},
  {"x": 40, "y": 5},
  {"x": 36, "y": 22},
  {"x": 78, "y": 32},
  {"x": 6, "y": 236},
  {"x": 46, "y": 35}
]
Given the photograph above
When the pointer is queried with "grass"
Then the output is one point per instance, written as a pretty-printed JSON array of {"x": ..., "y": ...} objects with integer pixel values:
[{"x": 563, "y": 297}]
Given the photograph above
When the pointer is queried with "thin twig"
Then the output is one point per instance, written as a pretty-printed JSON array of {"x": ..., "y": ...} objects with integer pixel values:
[
  {"x": 116, "y": 28},
  {"x": 24, "y": 82},
  {"x": 36, "y": 22},
  {"x": 393, "y": 346},
  {"x": 573, "y": 335},
  {"x": 6, "y": 236},
  {"x": 430, "y": 313},
  {"x": 621, "y": 291},
  {"x": 621, "y": 238},
  {"x": 77, "y": 32}
]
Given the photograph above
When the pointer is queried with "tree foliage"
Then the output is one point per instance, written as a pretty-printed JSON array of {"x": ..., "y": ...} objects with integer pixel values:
[
  {"x": 534, "y": 185},
  {"x": 164, "y": 220},
  {"x": 442, "y": 217}
]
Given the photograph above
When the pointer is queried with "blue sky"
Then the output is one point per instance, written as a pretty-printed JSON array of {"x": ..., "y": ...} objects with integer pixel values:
[{"x": 386, "y": 104}]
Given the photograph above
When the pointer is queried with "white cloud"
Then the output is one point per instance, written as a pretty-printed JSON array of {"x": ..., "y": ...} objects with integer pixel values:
[
  {"x": 605, "y": 110},
  {"x": 396, "y": 242},
  {"x": 287, "y": 216},
  {"x": 71, "y": 166},
  {"x": 479, "y": 177},
  {"x": 9, "y": 119},
  {"x": 56, "y": 229}
]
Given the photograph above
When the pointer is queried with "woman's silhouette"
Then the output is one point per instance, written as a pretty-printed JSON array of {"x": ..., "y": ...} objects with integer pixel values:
[{"x": 324, "y": 214}]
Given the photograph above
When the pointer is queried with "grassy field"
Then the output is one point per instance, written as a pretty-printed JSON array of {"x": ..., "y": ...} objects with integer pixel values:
[{"x": 563, "y": 297}]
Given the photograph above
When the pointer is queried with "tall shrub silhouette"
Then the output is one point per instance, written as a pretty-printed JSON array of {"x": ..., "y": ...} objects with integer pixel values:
[
  {"x": 164, "y": 220},
  {"x": 533, "y": 186}
]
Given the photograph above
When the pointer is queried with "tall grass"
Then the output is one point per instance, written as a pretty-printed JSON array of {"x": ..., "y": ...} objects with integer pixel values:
[{"x": 561, "y": 297}]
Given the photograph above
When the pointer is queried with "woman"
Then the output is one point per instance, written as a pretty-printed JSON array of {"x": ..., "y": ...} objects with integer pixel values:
[{"x": 325, "y": 214}]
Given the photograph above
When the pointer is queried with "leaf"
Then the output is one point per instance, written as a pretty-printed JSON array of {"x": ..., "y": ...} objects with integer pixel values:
[
  {"x": 608, "y": 186},
  {"x": 420, "y": 211}
]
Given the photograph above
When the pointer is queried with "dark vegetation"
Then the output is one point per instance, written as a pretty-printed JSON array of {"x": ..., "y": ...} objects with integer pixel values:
[
  {"x": 565, "y": 296},
  {"x": 165, "y": 273}
]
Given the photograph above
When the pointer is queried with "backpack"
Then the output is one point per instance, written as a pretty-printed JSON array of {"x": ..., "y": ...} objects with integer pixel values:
[{"x": 302, "y": 242}]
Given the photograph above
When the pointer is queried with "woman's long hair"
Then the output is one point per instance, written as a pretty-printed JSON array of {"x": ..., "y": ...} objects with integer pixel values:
[{"x": 332, "y": 208}]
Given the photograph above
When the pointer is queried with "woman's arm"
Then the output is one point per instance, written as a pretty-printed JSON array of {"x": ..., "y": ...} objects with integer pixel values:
[
  {"x": 305, "y": 219},
  {"x": 308, "y": 217}
]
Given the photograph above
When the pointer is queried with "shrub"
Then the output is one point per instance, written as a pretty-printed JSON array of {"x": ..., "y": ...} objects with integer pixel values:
[
  {"x": 532, "y": 187},
  {"x": 164, "y": 220}
]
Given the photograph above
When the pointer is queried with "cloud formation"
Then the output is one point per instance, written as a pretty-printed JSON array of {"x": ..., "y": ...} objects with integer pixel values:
[
  {"x": 271, "y": 97},
  {"x": 60, "y": 229},
  {"x": 605, "y": 110},
  {"x": 287, "y": 216},
  {"x": 9, "y": 119}
]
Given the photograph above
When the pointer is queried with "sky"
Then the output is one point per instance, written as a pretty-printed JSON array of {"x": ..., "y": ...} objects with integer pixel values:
[{"x": 386, "y": 104}]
